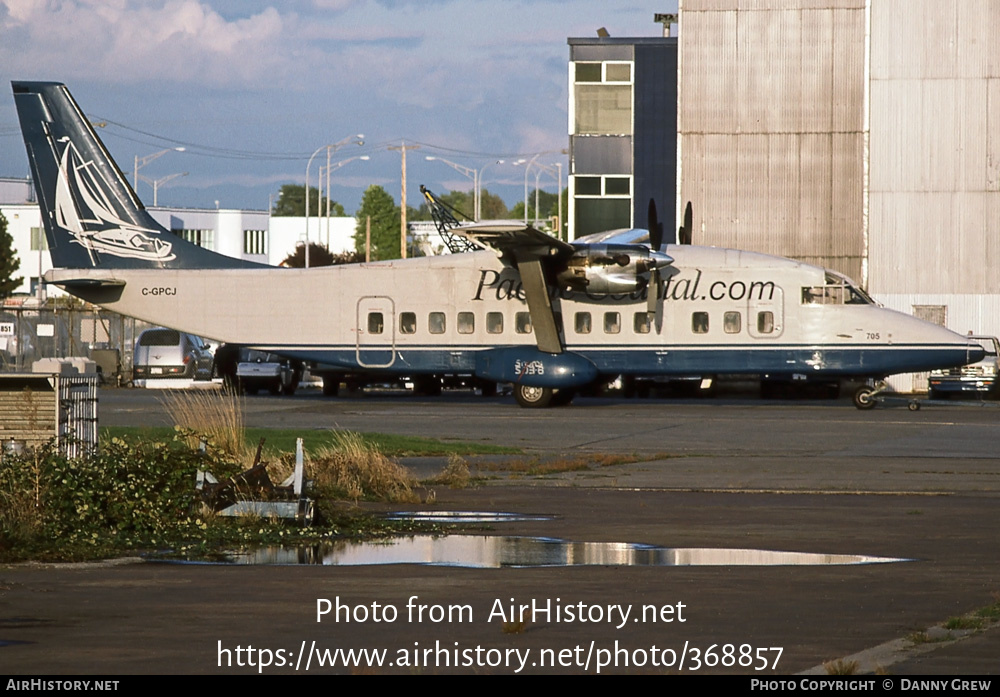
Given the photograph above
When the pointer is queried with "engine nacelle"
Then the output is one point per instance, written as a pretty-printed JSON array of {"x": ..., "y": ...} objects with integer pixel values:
[
  {"x": 611, "y": 268},
  {"x": 526, "y": 365}
]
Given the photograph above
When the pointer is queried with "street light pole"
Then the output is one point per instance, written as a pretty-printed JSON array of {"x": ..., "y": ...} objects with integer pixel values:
[
  {"x": 333, "y": 146},
  {"x": 162, "y": 180},
  {"x": 328, "y": 169},
  {"x": 469, "y": 172},
  {"x": 141, "y": 162}
]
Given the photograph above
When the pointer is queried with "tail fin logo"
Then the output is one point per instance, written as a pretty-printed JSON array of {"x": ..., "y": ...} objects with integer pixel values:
[{"x": 83, "y": 209}]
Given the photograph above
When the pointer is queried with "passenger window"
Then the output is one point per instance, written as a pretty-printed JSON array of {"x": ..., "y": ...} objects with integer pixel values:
[
  {"x": 699, "y": 322},
  {"x": 612, "y": 323},
  {"x": 494, "y": 322},
  {"x": 641, "y": 323},
  {"x": 522, "y": 322},
  {"x": 466, "y": 322},
  {"x": 765, "y": 322},
  {"x": 375, "y": 322},
  {"x": 582, "y": 322},
  {"x": 732, "y": 322},
  {"x": 407, "y": 323},
  {"x": 435, "y": 323}
]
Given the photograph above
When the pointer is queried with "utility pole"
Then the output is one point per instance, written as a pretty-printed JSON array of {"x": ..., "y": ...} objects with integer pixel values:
[{"x": 402, "y": 218}]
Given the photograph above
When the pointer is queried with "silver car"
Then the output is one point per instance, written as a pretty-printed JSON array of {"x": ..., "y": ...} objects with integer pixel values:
[{"x": 168, "y": 353}]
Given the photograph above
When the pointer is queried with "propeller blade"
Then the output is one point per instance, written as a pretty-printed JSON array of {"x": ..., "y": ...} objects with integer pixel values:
[
  {"x": 653, "y": 291},
  {"x": 654, "y": 226},
  {"x": 684, "y": 234}
]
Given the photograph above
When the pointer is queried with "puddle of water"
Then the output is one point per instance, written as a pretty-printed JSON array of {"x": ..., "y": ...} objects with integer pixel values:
[
  {"x": 465, "y": 516},
  {"x": 495, "y": 551}
]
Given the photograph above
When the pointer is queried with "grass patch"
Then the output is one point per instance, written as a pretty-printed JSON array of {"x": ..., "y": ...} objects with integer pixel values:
[
  {"x": 215, "y": 415},
  {"x": 542, "y": 465},
  {"x": 965, "y": 622},
  {"x": 841, "y": 667},
  {"x": 279, "y": 440}
]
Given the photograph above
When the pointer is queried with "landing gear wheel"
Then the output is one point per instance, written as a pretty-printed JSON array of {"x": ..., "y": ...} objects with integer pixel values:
[
  {"x": 533, "y": 397},
  {"x": 914, "y": 405},
  {"x": 864, "y": 397}
]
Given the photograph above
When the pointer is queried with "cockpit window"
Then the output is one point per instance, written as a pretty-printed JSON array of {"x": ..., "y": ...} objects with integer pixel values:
[{"x": 839, "y": 290}]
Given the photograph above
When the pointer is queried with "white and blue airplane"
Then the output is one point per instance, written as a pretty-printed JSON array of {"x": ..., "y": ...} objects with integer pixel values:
[{"x": 550, "y": 317}]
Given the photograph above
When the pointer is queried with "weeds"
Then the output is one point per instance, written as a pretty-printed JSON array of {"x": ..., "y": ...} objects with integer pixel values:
[
  {"x": 541, "y": 466},
  {"x": 965, "y": 622},
  {"x": 352, "y": 468},
  {"x": 841, "y": 667},
  {"x": 213, "y": 414},
  {"x": 456, "y": 473}
]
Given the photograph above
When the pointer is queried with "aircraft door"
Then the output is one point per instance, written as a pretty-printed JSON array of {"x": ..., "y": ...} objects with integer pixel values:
[
  {"x": 765, "y": 311},
  {"x": 376, "y": 332}
]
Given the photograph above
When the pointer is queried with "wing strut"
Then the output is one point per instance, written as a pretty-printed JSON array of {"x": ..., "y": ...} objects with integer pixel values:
[{"x": 536, "y": 292}]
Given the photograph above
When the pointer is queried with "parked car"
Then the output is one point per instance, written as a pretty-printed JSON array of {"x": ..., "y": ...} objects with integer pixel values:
[
  {"x": 168, "y": 353},
  {"x": 249, "y": 370},
  {"x": 976, "y": 379}
]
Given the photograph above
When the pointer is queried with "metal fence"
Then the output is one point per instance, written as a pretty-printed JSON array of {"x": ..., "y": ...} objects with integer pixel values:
[
  {"x": 56, "y": 329},
  {"x": 38, "y": 408}
]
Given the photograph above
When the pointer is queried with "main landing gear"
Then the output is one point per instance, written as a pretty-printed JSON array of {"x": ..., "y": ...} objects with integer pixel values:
[{"x": 542, "y": 397}]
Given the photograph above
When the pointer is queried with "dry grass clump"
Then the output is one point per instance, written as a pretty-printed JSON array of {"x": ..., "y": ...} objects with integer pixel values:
[
  {"x": 456, "y": 473},
  {"x": 215, "y": 415},
  {"x": 841, "y": 667},
  {"x": 352, "y": 468}
]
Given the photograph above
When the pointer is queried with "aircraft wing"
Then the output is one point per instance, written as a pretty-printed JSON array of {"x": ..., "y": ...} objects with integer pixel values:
[
  {"x": 516, "y": 241},
  {"x": 527, "y": 249}
]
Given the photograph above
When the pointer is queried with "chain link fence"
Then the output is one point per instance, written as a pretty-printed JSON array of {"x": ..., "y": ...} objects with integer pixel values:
[{"x": 55, "y": 329}]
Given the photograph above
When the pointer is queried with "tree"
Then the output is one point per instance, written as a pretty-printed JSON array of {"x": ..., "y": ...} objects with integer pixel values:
[
  {"x": 492, "y": 207},
  {"x": 319, "y": 255},
  {"x": 9, "y": 263},
  {"x": 291, "y": 201},
  {"x": 548, "y": 207},
  {"x": 385, "y": 214}
]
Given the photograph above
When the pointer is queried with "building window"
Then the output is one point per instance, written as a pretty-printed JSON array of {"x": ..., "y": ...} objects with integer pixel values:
[
  {"x": 255, "y": 241},
  {"x": 38, "y": 239},
  {"x": 602, "y": 98},
  {"x": 202, "y": 238},
  {"x": 602, "y": 202}
]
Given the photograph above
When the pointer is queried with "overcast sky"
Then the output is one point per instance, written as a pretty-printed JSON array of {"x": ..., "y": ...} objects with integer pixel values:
[{"x": 252, "y": 88}]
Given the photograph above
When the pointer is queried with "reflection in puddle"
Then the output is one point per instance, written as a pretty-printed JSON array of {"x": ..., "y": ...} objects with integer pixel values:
[
  {"x": 494, "y": 551},
  {"x": 465, "y": 516}
]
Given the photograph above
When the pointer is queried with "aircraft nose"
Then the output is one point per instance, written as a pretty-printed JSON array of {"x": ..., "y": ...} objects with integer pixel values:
[{"x": 974, "y": 352}]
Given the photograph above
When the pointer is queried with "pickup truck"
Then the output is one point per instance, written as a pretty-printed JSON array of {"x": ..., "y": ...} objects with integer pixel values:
[{"x": 976, "y": 379}]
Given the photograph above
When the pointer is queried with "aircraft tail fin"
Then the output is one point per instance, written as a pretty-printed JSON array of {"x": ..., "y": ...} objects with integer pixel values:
[{"x": 91, "y": 215}]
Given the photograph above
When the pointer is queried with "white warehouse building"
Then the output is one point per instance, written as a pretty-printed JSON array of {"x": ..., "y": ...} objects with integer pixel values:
[{"x": 861, "y": 135}]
